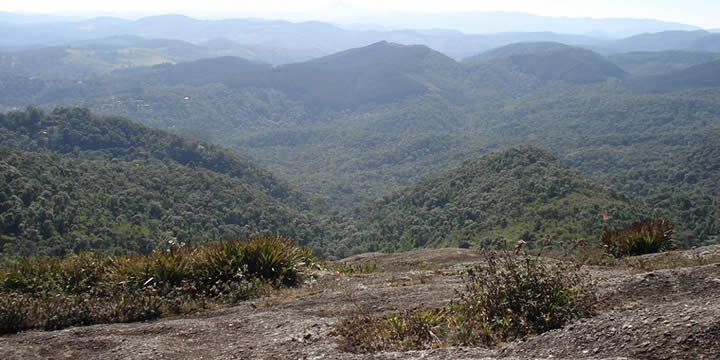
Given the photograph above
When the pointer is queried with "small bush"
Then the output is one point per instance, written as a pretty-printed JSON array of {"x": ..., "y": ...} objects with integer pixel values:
[
  {"x": 13, "y": 313},
  {"x": 508, "y": 296},
  {"x": 425, "y": 329},
  {"x": 642, "y": 237}
]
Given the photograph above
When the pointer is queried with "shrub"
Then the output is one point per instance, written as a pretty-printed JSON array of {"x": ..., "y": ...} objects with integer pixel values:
[
  {"x": 364, "y": 333},
  {"x": 642, "y": 237},
  {"x": 13, "y": 313},
  {"x": 363, "y": 267},
  {"x": 508, "y": 296}
]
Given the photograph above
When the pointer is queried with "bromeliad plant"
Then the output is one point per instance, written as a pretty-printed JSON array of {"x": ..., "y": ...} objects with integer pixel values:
[
  {"x": 84, "y": 289},
  {"x": 642, "y": 237}
]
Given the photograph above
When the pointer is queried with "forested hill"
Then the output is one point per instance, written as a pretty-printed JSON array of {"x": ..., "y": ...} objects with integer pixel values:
[
  {"x": 698, "y": 76},
  {"x": 71, "y": 181},
  {"x": 375, "y": 74},
  {"x": 79, "y": 133},
  {"x": 523, "y": 192},
  {"x": 647, "y": 63},
  {"x": 198, "y": 72},
  {"x": 552, "y": 61},
  {"x": 52, "y": 204}
]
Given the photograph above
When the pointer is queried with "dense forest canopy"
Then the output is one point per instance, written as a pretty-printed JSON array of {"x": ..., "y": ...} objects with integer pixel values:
[
  {"x": 73, "y": 181},
  {"x": 360, "y": 132},
  {"x": 520, "y": 193}
]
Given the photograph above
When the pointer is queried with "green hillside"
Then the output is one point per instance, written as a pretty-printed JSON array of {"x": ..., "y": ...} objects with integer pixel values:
[
  {"x": 698, "y": 76},
  {"x": 376, "y": 74},
  {"x": 552, "y": 61},
  {"x": 72, "y": 181},
  {"x": 518, "y": 193},
  {"x": 645, "y": 63},
  {"x": 80, "y": 133}
]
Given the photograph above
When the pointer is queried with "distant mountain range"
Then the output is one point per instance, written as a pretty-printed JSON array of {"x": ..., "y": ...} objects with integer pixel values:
[
  {"x": 278, "y": 42},
  {"x": 497, "y": 22},
  {"x": 698, "y": 40}
]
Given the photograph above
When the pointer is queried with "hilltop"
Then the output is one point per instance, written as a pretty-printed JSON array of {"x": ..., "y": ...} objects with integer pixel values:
[
  {"x": 553, "y": 61},
  {"x": 518, "y": 193},
  {"x": 375, "y": 74}
]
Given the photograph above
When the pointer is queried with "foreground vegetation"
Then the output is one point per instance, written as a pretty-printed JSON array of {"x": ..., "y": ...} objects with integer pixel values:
[
  {"x": 53, "y": 293},
  {"x": 642, "y": 237},
  {"x": 508, "y": 296}
]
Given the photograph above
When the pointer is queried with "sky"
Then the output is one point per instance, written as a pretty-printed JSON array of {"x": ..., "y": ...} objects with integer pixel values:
[{"x": 703, "y": 13}]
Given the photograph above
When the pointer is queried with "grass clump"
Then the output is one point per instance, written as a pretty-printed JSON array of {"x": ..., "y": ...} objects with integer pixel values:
[
  {"x": 403, "y": 331},
  {"x": 510, "y": 295},
  {"x": 363, "y": 267},
  {"x": 642, "y": 237},
  {"x": 53, "y": 293}
]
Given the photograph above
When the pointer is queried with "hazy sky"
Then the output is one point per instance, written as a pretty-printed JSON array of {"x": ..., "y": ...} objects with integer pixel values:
[{"x": 705, "y": 13}]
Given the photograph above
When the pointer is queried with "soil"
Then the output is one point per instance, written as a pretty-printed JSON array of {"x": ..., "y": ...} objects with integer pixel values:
[{"x": 663, "y": 314}]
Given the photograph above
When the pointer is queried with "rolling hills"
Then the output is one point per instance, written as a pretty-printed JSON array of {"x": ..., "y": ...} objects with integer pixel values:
[{"x": 357, "y": 125}]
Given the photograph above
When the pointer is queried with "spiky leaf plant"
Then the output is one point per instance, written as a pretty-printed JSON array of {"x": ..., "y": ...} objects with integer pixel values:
[{"x": 642, "y": 237}]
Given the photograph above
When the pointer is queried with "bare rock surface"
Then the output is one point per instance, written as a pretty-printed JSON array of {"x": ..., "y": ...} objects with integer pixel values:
[{"x": 665, "y": 314}]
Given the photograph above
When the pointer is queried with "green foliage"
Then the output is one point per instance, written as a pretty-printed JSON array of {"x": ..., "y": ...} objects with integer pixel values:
[
  {"x": 112, "y": 186},
  {"x": 498, "y": 195},
  {"x": 507, "y": 297},
  {"x": 53, "y": 293},
  {"x": 358, "y": 125},
  {"x": 642, "y": 237},
  {"x": 13, "y": 313}
]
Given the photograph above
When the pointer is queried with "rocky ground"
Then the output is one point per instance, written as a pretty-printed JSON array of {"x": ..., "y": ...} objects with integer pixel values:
[{"x": 659, "y": 314}]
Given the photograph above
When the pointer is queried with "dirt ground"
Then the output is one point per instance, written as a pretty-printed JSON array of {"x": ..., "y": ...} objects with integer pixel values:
[{"x": 663, "y": 314}]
